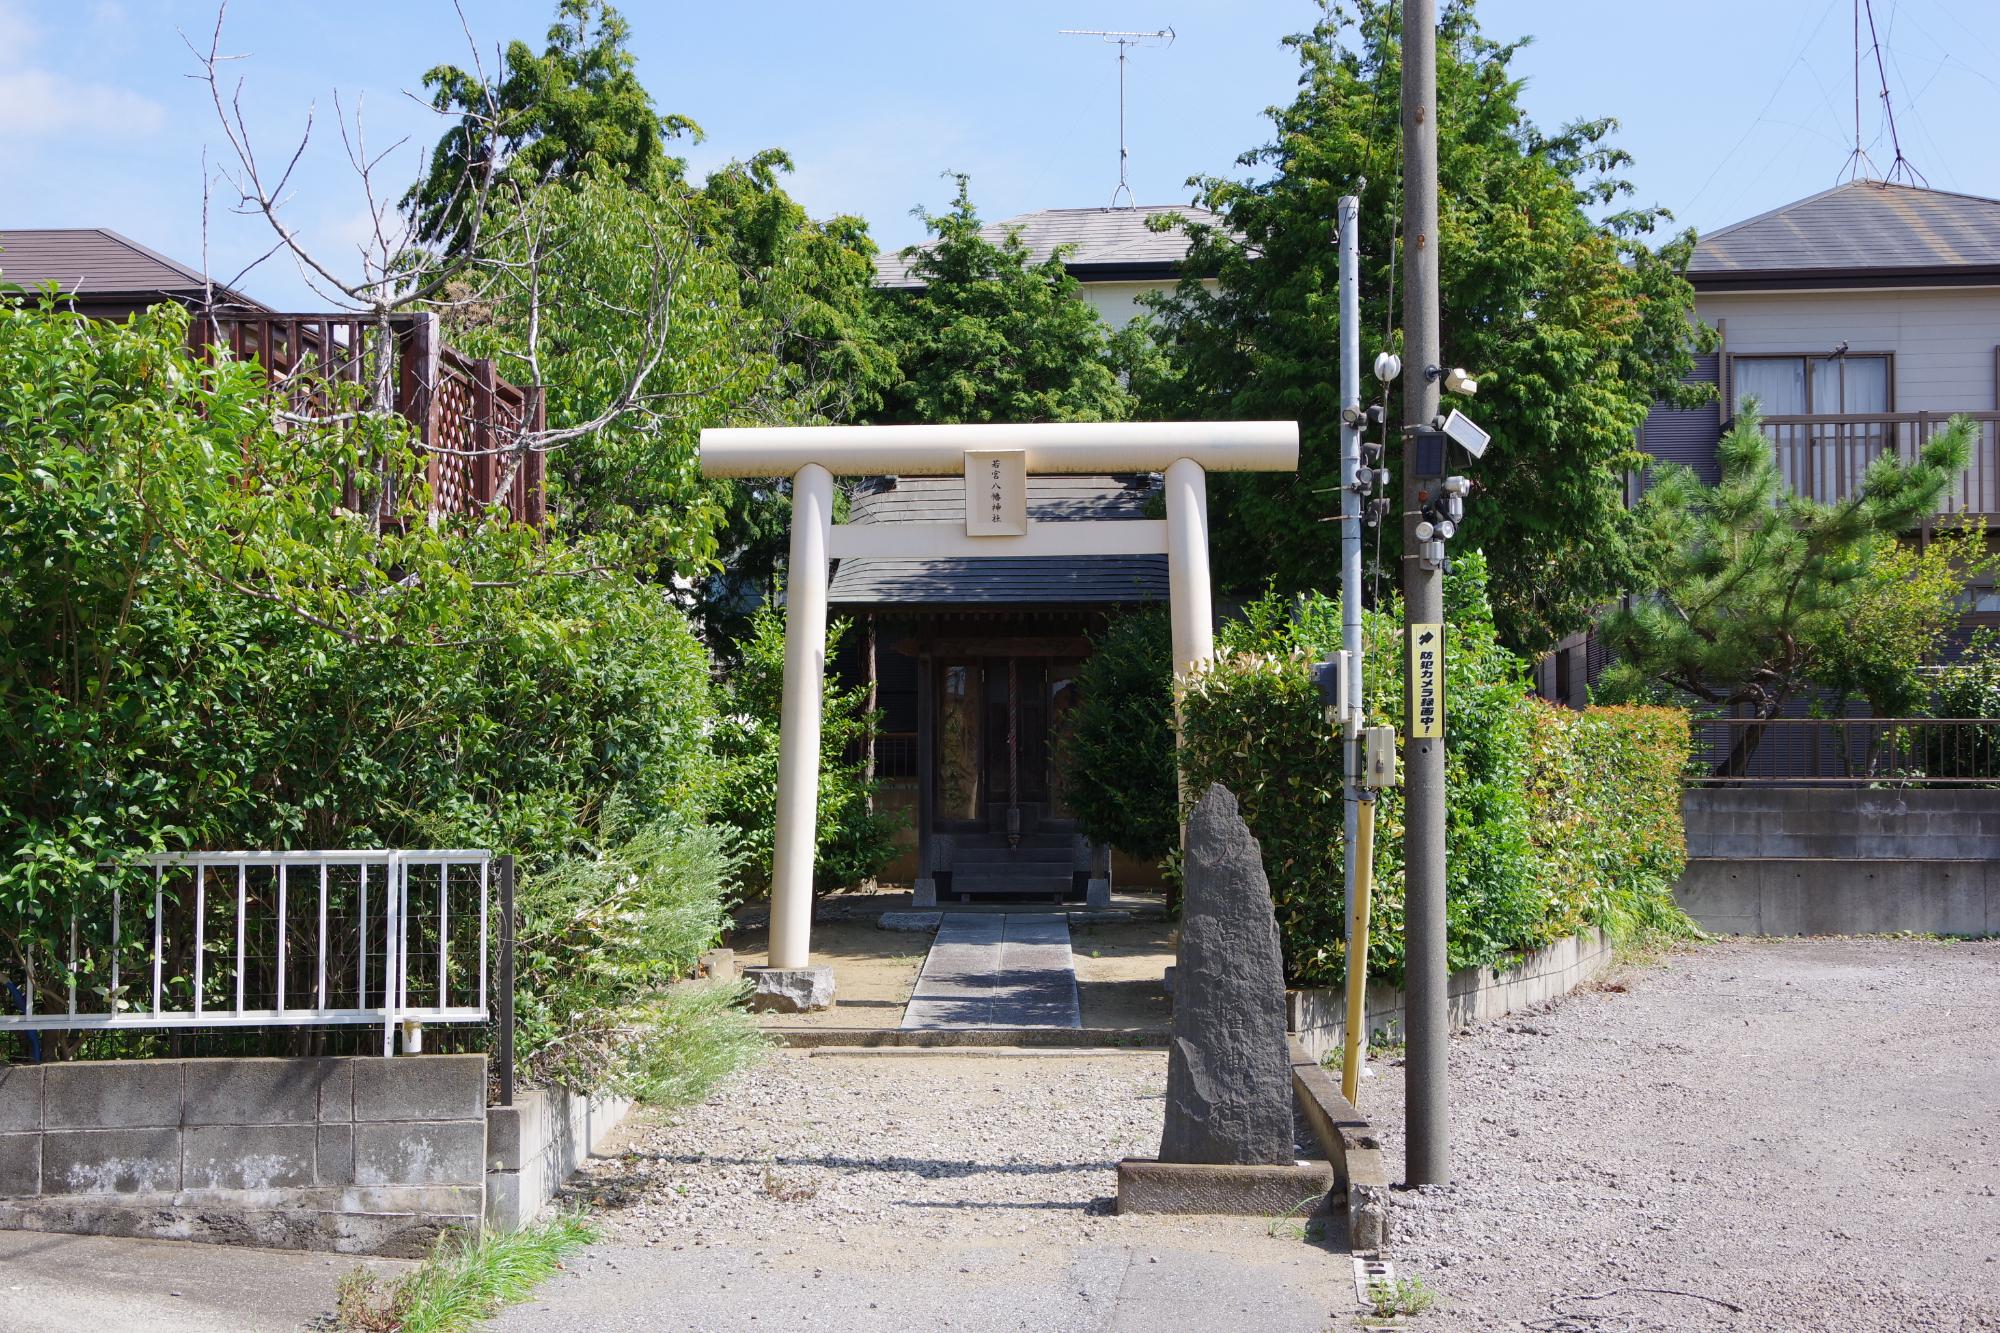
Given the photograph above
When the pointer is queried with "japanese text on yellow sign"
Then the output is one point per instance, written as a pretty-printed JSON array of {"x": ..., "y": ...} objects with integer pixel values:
[{"x": 1427, "y": 681}]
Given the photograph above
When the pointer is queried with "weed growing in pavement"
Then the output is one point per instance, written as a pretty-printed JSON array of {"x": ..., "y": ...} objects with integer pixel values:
[
  {"x": 465, "y": 1280},
  {"x": 1383, "y": 1045},
  {"x": 1290, "y": 1225},
  {"x": 1404, "y": 1296}
]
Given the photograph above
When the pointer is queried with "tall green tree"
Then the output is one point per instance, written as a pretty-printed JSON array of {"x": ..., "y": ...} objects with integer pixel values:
[
  {"x": 992, "y": 336},
  {"x": 543, "y": 118},
  {"x": 609, "y": 299},
  {"x": 1551, "y": 293},
  {"x": 1750, "y": 582}
]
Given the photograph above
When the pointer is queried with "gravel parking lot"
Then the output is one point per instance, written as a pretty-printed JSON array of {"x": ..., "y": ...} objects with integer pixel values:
[{"x": 1807, "y": 1130}]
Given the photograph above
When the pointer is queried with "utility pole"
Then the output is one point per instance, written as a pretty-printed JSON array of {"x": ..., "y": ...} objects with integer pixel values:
[
  {"x": 1349, "y": 215},
  {"x": 1427, "y": 1148}
]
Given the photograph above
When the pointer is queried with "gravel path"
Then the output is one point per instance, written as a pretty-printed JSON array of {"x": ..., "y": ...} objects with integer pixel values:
[
  {"x": 926, "y": 1191},
  {"x": 1806, "y": 1129}
]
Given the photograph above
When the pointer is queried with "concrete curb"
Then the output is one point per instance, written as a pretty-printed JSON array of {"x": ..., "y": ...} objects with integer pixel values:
[
  {"x": 1318, "y": 1017},
  {"x": 979, "y": 1052},
  {"x": 1351, "y": 1145},
  {"x": 1130, "y": 1038}
]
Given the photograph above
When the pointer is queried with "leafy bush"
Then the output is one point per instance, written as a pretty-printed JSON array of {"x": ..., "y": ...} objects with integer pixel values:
[
  {"x": 855, "y": 843},
  {"x": 203, "y": 650},
  {"x": 1605, "y": 788},
  {"x": 603, "y": 933},
  {"x": 1122, "y": 738},
  {"x": 1519, "y": 874}
]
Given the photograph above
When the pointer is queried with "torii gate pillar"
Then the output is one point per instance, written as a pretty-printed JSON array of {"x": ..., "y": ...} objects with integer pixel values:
[{"x": 811, "y": 455}]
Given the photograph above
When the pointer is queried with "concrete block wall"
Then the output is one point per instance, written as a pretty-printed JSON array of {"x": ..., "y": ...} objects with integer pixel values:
[
  {"x": 539, "y": 1142},
  {"x": 1766, "y": 822},
  {"x": 357, "y": 1155},
  {"x": 1317, "y": 1018},
  {"x": 1770, "y": 860}
]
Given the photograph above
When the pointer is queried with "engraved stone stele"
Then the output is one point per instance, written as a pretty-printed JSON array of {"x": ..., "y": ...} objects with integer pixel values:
[{"x": 1228, "y": 1071}]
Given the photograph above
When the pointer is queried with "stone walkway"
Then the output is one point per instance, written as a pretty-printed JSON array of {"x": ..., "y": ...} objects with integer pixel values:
[{"x": 997, "y": 971}]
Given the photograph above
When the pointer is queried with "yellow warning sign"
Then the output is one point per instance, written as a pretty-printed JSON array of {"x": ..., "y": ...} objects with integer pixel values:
[{"x": 1426, "y": 681}]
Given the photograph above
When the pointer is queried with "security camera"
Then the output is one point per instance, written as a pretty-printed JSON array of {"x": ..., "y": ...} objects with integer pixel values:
[
  {"x": 1457, "y": 381},
  {"x": 1468, "y": 435},
  {"x": 1456, "y": 486},
  {"x": 1387, "y": 366}
]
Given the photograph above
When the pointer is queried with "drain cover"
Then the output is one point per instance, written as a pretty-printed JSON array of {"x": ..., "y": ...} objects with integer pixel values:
[{"x": 1368, "y": 1272}]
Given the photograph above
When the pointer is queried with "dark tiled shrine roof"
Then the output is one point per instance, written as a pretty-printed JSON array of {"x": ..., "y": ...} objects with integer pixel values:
[{"x": 1001, "y": 580}]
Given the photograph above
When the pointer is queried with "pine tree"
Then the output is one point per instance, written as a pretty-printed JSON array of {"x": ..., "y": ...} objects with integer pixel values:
[{"x": 1750, "y": 579}]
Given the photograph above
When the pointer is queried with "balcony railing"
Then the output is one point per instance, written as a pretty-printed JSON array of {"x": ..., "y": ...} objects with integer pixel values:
[
  {"x": 1861, "y": 751},
  {"x": 1825, "y": 457},
  {"x": 455, "y": 402}
]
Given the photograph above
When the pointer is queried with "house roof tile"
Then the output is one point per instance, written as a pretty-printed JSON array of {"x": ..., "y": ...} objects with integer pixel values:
[
  {"x": 95, "y": 261},
  {"x": 1862, "y": 229},
  {"x": 1106, "y": 241}
]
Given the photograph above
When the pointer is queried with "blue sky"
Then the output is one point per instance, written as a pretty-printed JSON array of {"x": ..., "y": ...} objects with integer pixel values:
[{"x": 1730, "y": 106}]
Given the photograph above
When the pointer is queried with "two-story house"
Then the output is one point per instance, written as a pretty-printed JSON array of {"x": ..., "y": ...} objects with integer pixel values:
[{"x": 1860, "y": 320}]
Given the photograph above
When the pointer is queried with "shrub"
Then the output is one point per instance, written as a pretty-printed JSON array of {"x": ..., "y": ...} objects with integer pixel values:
[
  {"x": 202, "y": 651},
  {"x": 855, "y": 842},
  {"x": 1605, "y": 788},
  {"x": 1519, "y": 874},
  {"x": 1122, "y": 738},
  {"x": 603, "y": 933}
]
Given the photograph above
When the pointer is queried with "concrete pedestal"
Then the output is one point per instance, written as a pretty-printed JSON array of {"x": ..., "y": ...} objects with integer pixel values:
[
  {"x": 923, "y": 893},
  {"x": 790, "y": 990},
  {"x": 1098, "y": 894},
  {"x": 1149, "y": 1186}
]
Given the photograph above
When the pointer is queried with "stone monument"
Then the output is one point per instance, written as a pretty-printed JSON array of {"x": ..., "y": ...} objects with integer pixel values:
[{"x": 1227, "y": 1145}]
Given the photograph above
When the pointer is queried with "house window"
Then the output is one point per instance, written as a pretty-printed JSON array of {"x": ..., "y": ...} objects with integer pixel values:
[{"x": 1796, "y": 386}]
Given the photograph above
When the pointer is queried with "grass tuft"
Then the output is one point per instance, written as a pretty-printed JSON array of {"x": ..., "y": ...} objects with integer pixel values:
[
  {"x": 464, "y": 1281},
  {"x": 1405, "y": 1296}
]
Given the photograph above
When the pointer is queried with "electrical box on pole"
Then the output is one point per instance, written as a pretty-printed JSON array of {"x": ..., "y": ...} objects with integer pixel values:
[
  {"x": 1378, "y": 758},
  {"x": 1331, "y": 678}
]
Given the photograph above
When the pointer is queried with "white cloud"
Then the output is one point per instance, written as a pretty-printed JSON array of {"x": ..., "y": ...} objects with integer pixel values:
[
  {"x": 39, "y": 103},
  {"x": 17, "y": 33}
]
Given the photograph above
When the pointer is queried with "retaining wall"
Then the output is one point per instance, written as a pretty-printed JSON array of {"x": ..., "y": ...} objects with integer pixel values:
[
  {"x": 536, "y": 1144},
  {"x": 1318, "y": 1018},
  {"x": 1842, "y": 860},
  {"x": 359, "y": 1155}
]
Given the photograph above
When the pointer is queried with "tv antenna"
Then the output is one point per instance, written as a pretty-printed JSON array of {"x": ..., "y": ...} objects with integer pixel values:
[
  {"x": 1858, "y": 159},
  {"x": 1124, "y": 42}
]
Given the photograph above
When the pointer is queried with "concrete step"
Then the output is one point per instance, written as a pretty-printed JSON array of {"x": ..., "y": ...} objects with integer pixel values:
[
  {"x": 991, "y": 877},
  {"x": 1022, "y": 855}
]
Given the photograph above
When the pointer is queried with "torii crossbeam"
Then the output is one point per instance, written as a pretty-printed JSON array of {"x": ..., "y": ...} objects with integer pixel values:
[{"x": 996, "y": 461}]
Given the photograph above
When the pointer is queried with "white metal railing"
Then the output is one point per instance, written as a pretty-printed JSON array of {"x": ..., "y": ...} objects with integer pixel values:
[{"x": 292, "y": 925}]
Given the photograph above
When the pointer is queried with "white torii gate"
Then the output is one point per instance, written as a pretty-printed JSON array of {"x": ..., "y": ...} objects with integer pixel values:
[{"x": 997, "y": 461}]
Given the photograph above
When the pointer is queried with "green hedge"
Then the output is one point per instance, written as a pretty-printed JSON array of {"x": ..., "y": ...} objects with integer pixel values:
[{"x": 1556, "y": 820}]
